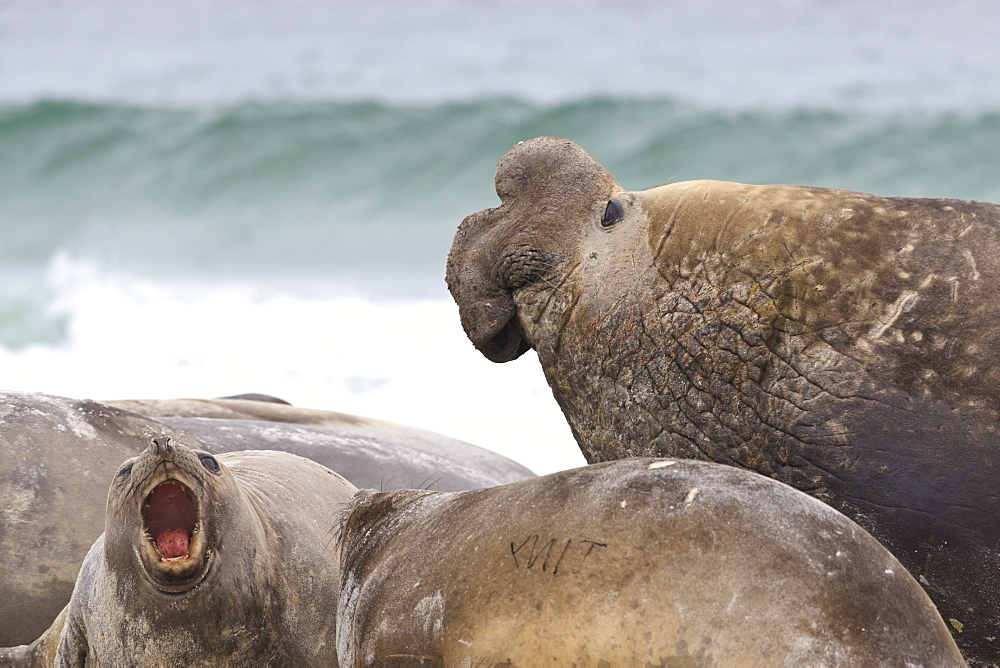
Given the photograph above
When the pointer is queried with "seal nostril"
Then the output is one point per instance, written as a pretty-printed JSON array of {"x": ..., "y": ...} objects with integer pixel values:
[
  {"x": 613, "y": 213},
  {"x": 163, "y": 446}
]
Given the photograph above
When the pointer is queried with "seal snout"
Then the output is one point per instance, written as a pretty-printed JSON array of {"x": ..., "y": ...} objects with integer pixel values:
[
  {"x": 171, "y": 519},
  {"x": 162, "y": 447}
]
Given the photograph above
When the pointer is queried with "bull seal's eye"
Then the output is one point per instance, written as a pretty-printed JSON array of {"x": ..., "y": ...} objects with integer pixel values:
[
  {"x": 126, "y": 471},
  {"x": 208, "y": 461},
  {"x": 613, "y": 213}
]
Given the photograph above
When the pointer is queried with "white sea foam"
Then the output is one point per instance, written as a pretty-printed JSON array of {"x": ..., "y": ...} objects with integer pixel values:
[{"x": 406, "y": 362}]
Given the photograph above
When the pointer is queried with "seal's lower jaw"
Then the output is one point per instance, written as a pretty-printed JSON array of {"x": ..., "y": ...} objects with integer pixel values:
[
  {"x": 174, "y": 552},
  {"x": 506, "y": 345}
]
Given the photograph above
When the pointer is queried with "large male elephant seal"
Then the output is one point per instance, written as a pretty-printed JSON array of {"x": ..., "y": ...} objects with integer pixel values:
[
  {"x": 844, "y": 343},
  {"x": 629, "y": 563},
  {"x": 206, "y": 559},
  {"x": 57, "y": 453}
]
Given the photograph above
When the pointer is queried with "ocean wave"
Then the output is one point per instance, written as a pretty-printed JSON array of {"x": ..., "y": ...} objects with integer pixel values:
[{"x": 375, "y": 191}]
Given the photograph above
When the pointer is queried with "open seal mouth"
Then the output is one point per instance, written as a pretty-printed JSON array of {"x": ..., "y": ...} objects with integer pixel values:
[
  {"x": 175, "y": 551},
  {"x": 171, "y": 520}
]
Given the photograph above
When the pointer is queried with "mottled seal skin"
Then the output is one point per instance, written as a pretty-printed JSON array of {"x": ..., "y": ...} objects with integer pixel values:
[
  {"x": 56, "y": 458},
  {"x": 634, "y": 562},
  {"x": 226, "y": 560},
  {"x": 366, "y": 451},
  {"x": 844, "y": 343},
  {"x": 56, "y": 455}
]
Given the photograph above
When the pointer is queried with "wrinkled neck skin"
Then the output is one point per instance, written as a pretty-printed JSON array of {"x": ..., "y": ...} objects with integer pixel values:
[
  {"x": 849, "y": 350},
  {"x": 666, "y": 336}
]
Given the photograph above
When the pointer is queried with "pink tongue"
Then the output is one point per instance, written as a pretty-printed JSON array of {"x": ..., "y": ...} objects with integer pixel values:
[{"x": 172, "y": 543}]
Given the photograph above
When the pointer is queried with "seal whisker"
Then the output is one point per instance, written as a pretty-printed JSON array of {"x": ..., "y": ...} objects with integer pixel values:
[{"x": 430, "y": 481}]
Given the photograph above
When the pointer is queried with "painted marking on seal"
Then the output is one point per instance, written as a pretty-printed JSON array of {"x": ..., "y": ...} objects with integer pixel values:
[{"x": 549, "y": 549}]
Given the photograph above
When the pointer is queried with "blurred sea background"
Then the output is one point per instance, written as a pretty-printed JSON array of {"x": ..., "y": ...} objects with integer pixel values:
[{"x": 208, "y": 198}]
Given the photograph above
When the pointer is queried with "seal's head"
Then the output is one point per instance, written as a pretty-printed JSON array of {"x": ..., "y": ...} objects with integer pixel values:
[
  {"x": 161, "y": 513},
  {"x": 552, "y": 193}
]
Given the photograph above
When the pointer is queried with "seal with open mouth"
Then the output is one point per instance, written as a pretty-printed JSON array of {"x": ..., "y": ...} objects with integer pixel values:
[
  {"x": 57, "y": 454},
  {"x": 207, "y": 559}
]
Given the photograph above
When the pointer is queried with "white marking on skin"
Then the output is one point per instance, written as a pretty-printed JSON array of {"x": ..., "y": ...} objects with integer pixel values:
[
  {"x": 972, "y": 261},
  {"x": 906, "y": 249},
  {"x": 963, "y": 232},
  {"x": 904, "y": 274},
  {"x": 888, "y": 571},
  {"x": 917, "y": 336},
  {"x": 690, "y": 496},
  {"x": 660, "y": 465},
  {"x": 903, "y": 303},
  {"x": 431, "y": 610},
  {"x": 623, "y": 503},
  {"x": 927, "y": 281}
]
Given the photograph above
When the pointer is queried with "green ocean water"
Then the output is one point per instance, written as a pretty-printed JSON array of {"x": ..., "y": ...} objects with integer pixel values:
[
  {"x": 343, "y": 188},
  {"x": 371, "y": 194}
]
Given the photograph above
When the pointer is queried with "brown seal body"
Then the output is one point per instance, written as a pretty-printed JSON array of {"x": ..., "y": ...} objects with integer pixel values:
[
  {"x": 208, "y": 560},
  {"x": 635, "y": 562},
  {"x": 57, "y": 454},
  {"x": 844, "y": 343}
]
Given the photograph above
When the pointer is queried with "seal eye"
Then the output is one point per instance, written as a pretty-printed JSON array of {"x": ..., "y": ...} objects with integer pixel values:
[
  {"x": 208, "y": 461},
  {"x": 613, "y": 213},
  {"x": 126, "y": 471}
]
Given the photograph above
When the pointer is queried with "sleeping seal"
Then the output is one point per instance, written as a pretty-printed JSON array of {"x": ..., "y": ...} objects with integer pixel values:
[
  {"x": 634, "y": 562},
  {"x": 226, "y": 559}
]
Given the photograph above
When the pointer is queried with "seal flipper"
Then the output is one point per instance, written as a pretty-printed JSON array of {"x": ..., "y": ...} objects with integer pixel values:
[{"x": 42, "y": 652}]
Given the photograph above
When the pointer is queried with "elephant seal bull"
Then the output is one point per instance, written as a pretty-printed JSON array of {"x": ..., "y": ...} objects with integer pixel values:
[
  {"x": 205, "y": 560},
  {"x": 635, "y": 562},
  {"x": 844, "y": 343},
  {"x": 56, "y": 454}
]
